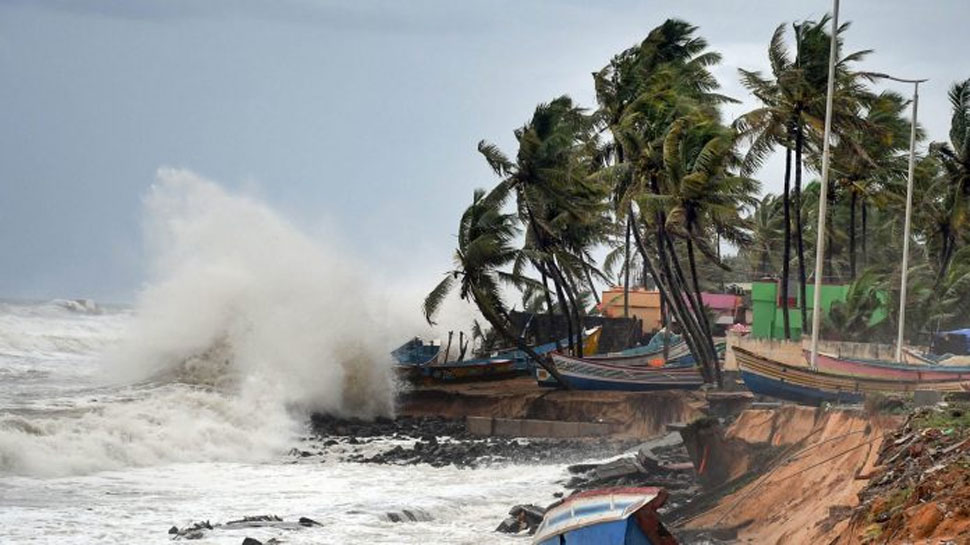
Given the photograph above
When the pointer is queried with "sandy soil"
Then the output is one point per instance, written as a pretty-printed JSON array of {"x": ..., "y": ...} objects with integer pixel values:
[{"x": 807, "y": 492}]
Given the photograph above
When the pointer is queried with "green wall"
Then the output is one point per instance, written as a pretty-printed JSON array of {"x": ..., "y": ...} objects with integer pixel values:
[{"x": 767, "y": 320}]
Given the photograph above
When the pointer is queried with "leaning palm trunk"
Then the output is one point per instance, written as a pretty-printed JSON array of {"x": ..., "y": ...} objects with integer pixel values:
[
  {"x": 573, "y": 302},
  {"x": 549, "y": 313},
  {"x": 669, "y": 290},
  {"x": 500, "y": 325},
  {"x": 706, "y": 339},
  {"x": 799, "y": 239}
]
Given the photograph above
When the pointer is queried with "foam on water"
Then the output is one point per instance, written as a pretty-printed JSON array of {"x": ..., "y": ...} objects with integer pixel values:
[{"x": 245, "y": 326}]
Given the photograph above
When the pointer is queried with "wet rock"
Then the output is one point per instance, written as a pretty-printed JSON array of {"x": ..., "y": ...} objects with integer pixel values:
[
  {"x": 251, "y": 541},
  {"x": 409, "y": 515},
  {"x": 173, "y": 530},
  {"x": 510, "y": 525},
  {"x": 305, "y": 521}
]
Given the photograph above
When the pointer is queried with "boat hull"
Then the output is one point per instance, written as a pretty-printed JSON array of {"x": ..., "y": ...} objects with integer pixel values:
[
  {"x": 584, "y": 374},
  {"x": 473, "y": 370},
  {"x": 803, "y": 385},
  {"x": 888, "y": 370}
]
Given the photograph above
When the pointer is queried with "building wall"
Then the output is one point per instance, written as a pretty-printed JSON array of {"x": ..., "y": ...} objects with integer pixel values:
[
  {"x": 767, "y": 321},
  {"x": 644, "y": 305}
]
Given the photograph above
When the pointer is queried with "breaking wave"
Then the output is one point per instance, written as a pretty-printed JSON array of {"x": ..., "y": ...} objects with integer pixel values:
[{"x": 245, "y": 326}]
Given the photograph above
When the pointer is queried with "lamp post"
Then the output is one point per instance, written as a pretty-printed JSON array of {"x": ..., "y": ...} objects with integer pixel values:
[
  {"x": 909, "y": 209},
  {"x": 823, "y": 197}
]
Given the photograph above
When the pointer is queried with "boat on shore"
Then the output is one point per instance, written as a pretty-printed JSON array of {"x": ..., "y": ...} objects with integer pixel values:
[
  {"x": 772, "y": 378},
  {"x": 609, "y": 516},
  {"x": 886, "y": 369},
  {"x": 678, "y": 354},
  {"x": 587, "y": 374},
  {"x": 469, "y": 370}
]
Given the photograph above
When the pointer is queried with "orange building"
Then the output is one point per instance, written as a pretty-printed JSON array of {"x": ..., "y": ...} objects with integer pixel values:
[{"x": 644, "y": 305}]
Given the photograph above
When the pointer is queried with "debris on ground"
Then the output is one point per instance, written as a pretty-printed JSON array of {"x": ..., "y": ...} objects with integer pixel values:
[{"x": 920, "y": 487}]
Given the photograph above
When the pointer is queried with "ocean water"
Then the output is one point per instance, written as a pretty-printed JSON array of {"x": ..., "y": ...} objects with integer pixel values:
[
  {"x": 85, "y": 460},
  {"x": 118, "y": 423}
]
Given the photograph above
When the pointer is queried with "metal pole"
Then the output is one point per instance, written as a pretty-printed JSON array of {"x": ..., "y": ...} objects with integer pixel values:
[
  {"x": 909, "y": 215},
  {"x": 823, "y": 197}
]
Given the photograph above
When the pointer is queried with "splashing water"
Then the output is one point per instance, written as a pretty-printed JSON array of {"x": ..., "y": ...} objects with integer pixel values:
[{"x": 244, "y": 327}]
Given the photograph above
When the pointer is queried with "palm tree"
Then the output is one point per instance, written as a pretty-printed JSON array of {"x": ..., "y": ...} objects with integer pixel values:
[
  {"x": 791, "y": 115},
  {"x": 766, "y": 227},
  {"x": 954, "y": 184},
  {"x": 485, "y": 237},
  {"x": 561, "y": 205}
]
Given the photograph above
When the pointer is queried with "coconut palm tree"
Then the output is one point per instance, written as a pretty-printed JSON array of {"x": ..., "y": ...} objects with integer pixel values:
[
  {"x": 792, "y": 115},
  {"x": 561, "y": 205},
  {"x": 485, "y": 247},
  {"x": 954, "y": 184}
]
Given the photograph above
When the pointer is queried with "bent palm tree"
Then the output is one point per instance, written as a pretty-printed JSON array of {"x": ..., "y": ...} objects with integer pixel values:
[{"x": 485, "y": 237}]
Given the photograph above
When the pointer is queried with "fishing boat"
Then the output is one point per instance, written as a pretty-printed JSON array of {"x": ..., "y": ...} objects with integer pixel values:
[
  {"x": 772, "y": 378},
  {"x": 678, "y": 354},
  {"x": 609, "y": 516},
  {"x": 886, "y": 369},
  {"x": 591, "y": 339},
  {"x": 417, "y": 352},
  {"x": 469, "y": 370},
  {"x": 587, "y": 374}
]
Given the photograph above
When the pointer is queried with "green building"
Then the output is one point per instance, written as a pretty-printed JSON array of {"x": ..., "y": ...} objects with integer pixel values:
[{"x": 766, "y": 315}]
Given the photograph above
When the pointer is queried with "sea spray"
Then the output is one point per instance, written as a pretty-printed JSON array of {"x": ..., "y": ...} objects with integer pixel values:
[
  {"x": 244, "y": 326},
  {"x": 237, "y": 287}
]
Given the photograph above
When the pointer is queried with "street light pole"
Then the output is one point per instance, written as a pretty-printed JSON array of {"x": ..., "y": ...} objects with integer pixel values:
[
  {"x": 823, "y": 197},
  {"x": 909, "y": 210}
]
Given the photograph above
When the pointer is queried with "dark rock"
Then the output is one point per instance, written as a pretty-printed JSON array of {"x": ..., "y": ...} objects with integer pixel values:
[
  {"x": 510, "y": 525},
  {"x": 173, "y": 530},
  {"x": 305, "y": 521},
  {"x": 251, "y": 541},
  {"x": 409, "y": 515}
]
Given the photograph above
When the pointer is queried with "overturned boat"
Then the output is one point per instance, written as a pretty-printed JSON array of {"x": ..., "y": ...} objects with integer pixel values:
[{"x": 609, "y": 516}]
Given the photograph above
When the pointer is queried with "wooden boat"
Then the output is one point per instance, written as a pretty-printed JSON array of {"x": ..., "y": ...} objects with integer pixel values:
[
  {"x": 591, "y": 339},
  {"x": 416, "y": 352},
  {"x": 586, "y": 374},
  {"x": 678, "y": 354},
  {"x": 886, "y": 369},
  {"x": 609, "y": 516},
  {"x": 803, "y": 385},
  {"x": 469, "y": 370}
]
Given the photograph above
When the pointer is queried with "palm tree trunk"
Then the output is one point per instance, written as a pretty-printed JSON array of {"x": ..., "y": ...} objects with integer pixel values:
[
  {"x": 549, "y": 313},
  {"x": 667, "y": 293},
  {"x": 697, "y": 307},
  {"x": 563, "y": 307},
  {"x": 693, "y": 312},
  {"x": 799, "y": 239},
  {"x": 786, "y": 254},
  {"x": 626, "y": 273},
  {"x": 571, "y": 294},
  {"x": 499, "y": 325},
  {"x": 865, "y": 252},
  {"x": 592, "y": 287},
  {"x": 852, "y": 205}
]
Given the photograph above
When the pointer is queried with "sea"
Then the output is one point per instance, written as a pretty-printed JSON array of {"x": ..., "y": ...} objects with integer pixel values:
[{"x": 120, "y": 422}]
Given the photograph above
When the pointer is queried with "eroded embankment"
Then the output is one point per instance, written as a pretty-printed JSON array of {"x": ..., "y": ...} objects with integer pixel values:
[
  {"x": 802, "y": 469},
  {"x": 920, "y": 490},
  {"x": 632, "y": 414}
]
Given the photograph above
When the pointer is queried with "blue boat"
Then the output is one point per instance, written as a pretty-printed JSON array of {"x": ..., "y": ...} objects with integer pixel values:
[
  {"x": 416, "y": 352},
  {"x": 609, "y": 516}
]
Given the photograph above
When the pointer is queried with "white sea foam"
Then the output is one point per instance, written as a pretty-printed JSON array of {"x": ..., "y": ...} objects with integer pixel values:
[{"x": 245, "y": 325}]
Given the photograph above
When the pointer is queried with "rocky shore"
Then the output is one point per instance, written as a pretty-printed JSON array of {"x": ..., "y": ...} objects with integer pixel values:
[{"x": 441, "y": 442}]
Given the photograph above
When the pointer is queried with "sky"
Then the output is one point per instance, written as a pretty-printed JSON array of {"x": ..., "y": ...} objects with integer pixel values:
[{"x": 357, "y": 121}]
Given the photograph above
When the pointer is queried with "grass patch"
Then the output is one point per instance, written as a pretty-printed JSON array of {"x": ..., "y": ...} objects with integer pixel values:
[{"x": 956, "y": 417}]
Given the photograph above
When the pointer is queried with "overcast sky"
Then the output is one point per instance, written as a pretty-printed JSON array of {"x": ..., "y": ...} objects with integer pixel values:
[{"x": 356, "y": 120}]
